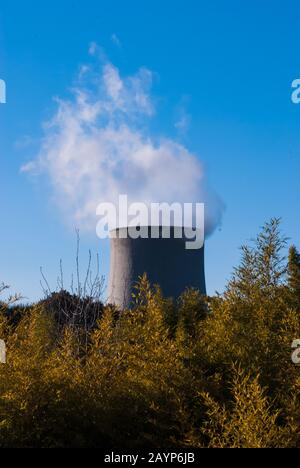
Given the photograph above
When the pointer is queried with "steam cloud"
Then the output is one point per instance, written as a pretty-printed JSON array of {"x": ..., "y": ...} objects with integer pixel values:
[{"x": 97, "y": 147}]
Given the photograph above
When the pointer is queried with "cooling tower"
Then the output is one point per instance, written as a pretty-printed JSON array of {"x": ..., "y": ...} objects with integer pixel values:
[{"x": 167, "y": 262}]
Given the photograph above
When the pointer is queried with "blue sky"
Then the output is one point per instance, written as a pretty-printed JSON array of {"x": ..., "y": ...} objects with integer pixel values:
[{"x": 225, "y": 65}]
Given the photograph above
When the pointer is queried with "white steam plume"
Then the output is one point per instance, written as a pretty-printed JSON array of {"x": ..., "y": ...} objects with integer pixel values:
[{"x": 96, "y": 148}]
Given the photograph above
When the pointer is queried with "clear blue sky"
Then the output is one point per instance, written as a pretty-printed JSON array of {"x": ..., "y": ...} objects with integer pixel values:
[{"x": 229, "y": 64}]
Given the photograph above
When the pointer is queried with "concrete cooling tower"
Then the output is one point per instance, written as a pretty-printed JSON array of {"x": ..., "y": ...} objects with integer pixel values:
[{"x": 167, "y": 262}]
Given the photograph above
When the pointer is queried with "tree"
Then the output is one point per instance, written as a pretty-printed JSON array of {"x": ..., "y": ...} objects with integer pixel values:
[
  {"x": 262, "y": 267},
  {"x": 294, "y": 275},
  {"x": 247, "y": 420}
]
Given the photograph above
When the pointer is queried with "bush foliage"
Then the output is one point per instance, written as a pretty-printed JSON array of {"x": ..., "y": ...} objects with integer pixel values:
[{"x": 199, "y": 372}]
